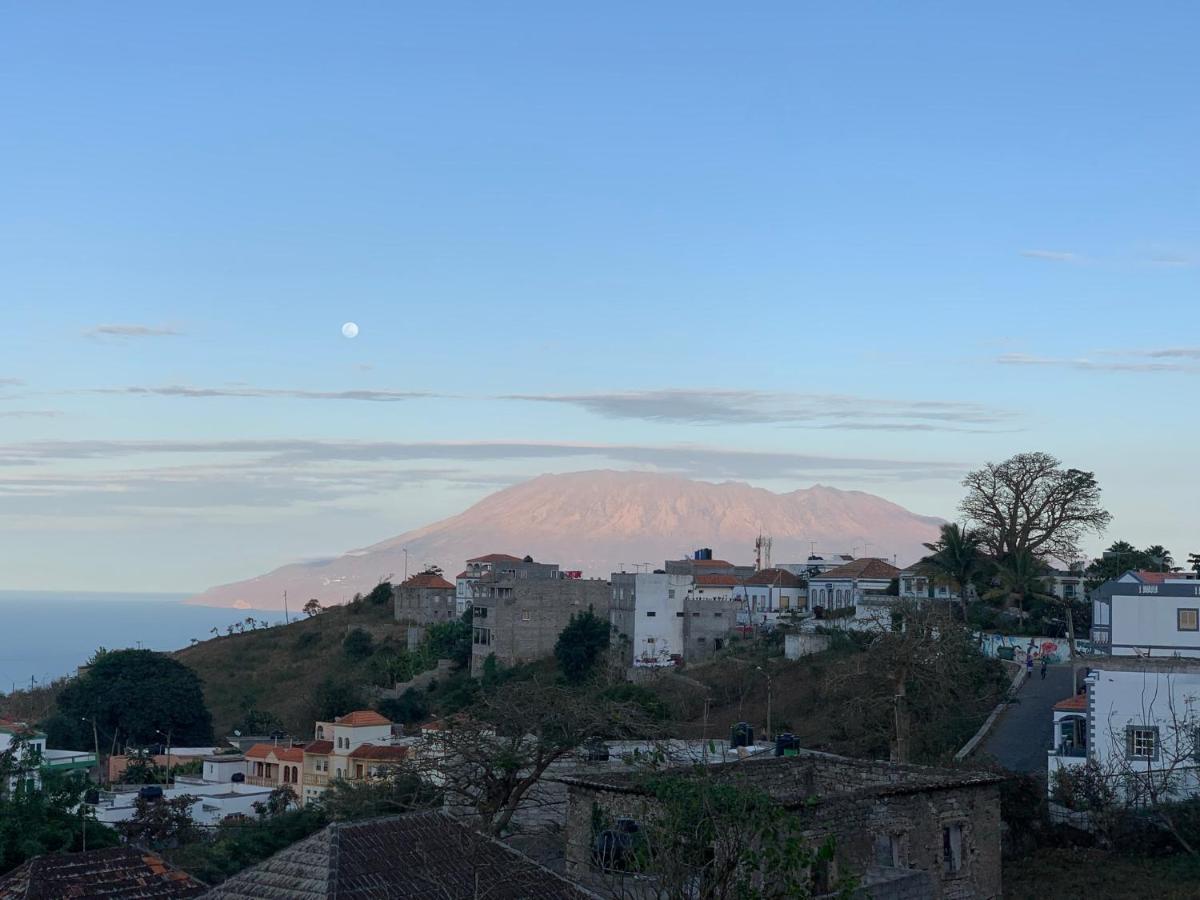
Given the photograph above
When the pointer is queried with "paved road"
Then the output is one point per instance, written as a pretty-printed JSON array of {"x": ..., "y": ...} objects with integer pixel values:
[{"x": 1022, "y": 734}]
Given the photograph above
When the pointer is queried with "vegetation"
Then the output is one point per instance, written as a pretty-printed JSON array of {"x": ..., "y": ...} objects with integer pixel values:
[
  {"x": 580, "y": 645},
  {"x": 131, "y": 697},
  {"x": 49, "y": 820}
]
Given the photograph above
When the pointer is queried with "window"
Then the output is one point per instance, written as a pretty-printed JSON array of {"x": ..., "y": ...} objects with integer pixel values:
[
  {"x": 695, "y": 615},
  {"x": 524, "y": 615},
  {"x": 718, "y": 615},
  {"x": 1187, "y": 619},
  {"x": 1141, "y": 742},
  {"x": 952, "y": 848},
  {"x": 679, "y": 615},
  {"x": 671, "y": 594},
  {"x": 651, "y": 613},
  {"x": 908, "y": 586}
]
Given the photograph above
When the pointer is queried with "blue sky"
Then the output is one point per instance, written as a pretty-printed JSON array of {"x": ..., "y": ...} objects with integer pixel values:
[{"x": 872, "y": 247}]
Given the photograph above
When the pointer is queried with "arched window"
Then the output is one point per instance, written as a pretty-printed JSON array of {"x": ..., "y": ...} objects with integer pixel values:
[{"x": 287, "y": 774}]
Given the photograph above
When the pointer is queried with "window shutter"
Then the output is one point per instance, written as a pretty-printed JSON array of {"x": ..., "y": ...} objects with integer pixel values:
[{"x": 1128, "y": 742}]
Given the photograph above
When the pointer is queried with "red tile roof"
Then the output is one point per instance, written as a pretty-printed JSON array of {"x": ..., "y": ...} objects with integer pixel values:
[
  {"x": 362, "y": 717},
  {"x": 776, "y": 578},
  {"x": 862, "y": 568},
  {"x": 495, "y": 557},
  {"x": 112, "y": 872},
  {"x": 717, "y": 580},
  {"x": 319, "y": 747},
  {"x": 374, "y": 752},
  {"x": 285, "y": 754},
  {"x": 463, "y": 574},
  {"x": 428, "y": 580},
  {"x": 1078, "y": 703}
]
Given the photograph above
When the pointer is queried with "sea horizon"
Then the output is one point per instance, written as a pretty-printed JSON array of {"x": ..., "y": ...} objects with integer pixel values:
[{"x": 58, "y": 631}]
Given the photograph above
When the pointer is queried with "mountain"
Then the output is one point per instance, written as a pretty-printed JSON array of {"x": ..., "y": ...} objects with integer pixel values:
[{"x": 600, "y": 521}]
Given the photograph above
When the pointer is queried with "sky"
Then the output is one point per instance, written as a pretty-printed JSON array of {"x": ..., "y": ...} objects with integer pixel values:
[{"x": 872, "y": 246}]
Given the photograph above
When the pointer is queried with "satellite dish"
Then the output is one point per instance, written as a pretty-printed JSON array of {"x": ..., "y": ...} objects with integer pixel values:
[{"x": 236, "y": 733}]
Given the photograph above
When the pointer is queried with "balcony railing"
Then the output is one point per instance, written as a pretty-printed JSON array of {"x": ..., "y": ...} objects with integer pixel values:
[
  {"x": 315, "y": 779},
  {"x": 260, "y": 781}
]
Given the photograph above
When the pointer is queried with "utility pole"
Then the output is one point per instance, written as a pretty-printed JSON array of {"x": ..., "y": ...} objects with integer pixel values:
[
  {"x": 96, "y": 744},
  {"x": 405, "y": 563},
  {"x": 286, "y": 621},
  {"x": 768, "y": 674}
]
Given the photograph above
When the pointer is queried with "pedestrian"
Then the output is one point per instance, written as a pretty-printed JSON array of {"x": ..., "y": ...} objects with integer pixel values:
[
  {"x": 1045, "y": 662},
  {"x": 1028, "y": 664}
]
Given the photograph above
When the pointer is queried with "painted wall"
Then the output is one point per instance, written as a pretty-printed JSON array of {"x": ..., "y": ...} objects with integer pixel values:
[
  {"x": 1056, "y": 650},
  {"x": 1152, "y": 622}
]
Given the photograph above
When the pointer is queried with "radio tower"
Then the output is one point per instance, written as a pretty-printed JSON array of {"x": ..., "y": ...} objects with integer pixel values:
[{"x": 762, "y": 552}]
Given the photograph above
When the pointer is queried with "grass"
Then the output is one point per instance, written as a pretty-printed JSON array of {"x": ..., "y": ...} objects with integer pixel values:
[
  {"x": 1064, "y": 874},
  {"x": 281, "y": 672}
]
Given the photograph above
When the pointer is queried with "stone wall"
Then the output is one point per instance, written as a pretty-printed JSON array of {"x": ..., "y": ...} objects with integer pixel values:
[{"x": 425, "y": 605}]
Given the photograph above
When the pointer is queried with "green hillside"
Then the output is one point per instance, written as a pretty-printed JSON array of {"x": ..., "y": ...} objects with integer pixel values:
[{"x": 286, "y": 676}]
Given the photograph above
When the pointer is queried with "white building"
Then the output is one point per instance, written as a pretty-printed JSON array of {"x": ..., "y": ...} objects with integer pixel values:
[
  {"x": 771, "y": 592},
  {"x": 846, "y": 585},
  {"x": 1148, "y": 614},
  {"x": 214, "y": 801},
  {"x": 921, "y": 581},
  {"x": 47, "y": 760},
  {"x": 332, "y": 754},
  {"x": 648, "y": 608}
]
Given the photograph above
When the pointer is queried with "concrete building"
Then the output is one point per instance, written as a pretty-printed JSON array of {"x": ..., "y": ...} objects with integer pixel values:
[
  {"x": 816, "y": 565},
  {"x": 770, "y": 593},
  {"x": 848, "y": 584},
  {"x": 497, "y": 565},
  {"x": 518, "y": 619},
  {"x": 39, "y": 758},
  {"x": 906, "y": 831},
  {"x": 425, "y": 599},
  {"x": 662, "y": 619},
  {"x": 701, "y": 562},
  {"x": 921, "y": 581},
  {"x": 1147, "y": 614}
]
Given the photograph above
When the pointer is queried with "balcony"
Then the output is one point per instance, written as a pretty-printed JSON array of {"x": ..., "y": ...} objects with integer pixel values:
[
  {"x": 315, "y": 779},
  {"x": 260, "y": 781}
]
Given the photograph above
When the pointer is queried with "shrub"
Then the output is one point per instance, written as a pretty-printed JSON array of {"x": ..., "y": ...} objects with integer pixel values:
[{"x": 358, "y": 644}]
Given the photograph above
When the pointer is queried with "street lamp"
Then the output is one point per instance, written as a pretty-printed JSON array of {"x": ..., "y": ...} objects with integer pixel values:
[{"x": 768, "y": 674}]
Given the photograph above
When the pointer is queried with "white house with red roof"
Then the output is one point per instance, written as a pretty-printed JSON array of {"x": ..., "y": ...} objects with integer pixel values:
[
  {"x": 275, "y": 765},
  {"x": 850, "y": 584},
  {"x": 770, "y": 592},
  {"x": 332, "y": 754}
]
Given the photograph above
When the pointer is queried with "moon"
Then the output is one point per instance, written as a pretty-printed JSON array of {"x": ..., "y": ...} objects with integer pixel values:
[{"x": 350, "y": 330}]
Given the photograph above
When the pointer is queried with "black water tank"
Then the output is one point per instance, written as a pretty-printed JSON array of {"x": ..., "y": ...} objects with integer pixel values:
[
  {"x": 741, "y": 735},
  {"x": 237, "y": 777},
  {"x": 92, "y": 797},
  {"x": 785, "y": 742},
  {"x": 150, "y": 792}
]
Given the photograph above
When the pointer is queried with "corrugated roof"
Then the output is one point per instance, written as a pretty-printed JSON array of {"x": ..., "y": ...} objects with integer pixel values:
[
  {"x": 426, "y": 854},
  {"x": 113, "y": 872}
]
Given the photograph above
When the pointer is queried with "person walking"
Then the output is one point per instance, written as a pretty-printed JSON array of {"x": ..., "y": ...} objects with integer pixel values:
[
  {"x": 1045, "y": 662},
  {"x": 1028, "y": 664}
]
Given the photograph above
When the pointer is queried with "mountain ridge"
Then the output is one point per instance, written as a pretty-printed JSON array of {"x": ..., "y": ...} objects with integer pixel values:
[{"x": 600, "y": 520}]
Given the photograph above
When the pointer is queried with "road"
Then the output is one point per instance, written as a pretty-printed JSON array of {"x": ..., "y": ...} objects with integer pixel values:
[{"x": 1023, "y": 733}]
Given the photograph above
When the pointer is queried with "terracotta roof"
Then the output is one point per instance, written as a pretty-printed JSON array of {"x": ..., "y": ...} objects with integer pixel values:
[
  {"x": 776, "y": 578},
  {"x": 108, "y": 873},
  {"x": 372, "y": 751},
  {"x": 9, "y": 726},
  {"x": 428, "y": 580},
  {"x": 1078, "y": 703},
  {"x": 862, "y": 568},
  {"x": 319, "y": 747},
  {"x": 495, "y": 557},
  {"x": 710, "y": 563},
  {"x": 718, "y": 580},
  {"x": 285, "y": 754},
  {"x": 423, "y": 854},
  {"x": 362, "y": 717},
  {"x": 463, "y": 574}
]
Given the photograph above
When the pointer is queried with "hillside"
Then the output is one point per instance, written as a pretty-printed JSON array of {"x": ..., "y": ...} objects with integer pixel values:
[
  {"x": 602, "y": 521},
  {"x": 281, "y": 672}
]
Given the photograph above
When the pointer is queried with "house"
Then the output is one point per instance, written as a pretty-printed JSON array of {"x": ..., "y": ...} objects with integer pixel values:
[
  {"x": 211, "y": 802},
  {"x": 848, "y": 584},
  {"x": 816, "y": 565},
  {"x": 425, "y": 599},
  {"x": 1147, "y": 614},
  {"x": 47, "y": 760},
  {"x": 275, "y": 765},
  {"x": 923, "y": 581},
  {"x": 663, "y": 619},
  {"x": 497, "y": 565},
  {"x": 111, "y": 872},
  {"x": 518, "y": 618},
  {"x": 701, "y": 562},
  {"x": 769, "y": 593},
  {"x": 416, "y": 855},
  {"x": 1066, "y": 584},
  {"x": 925, "y": 832},
  {"x": 329, "y": 756}
]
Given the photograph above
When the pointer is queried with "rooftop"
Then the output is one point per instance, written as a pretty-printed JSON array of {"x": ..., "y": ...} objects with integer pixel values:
[
  {"x": 426, "y": 854},
  {"x": 494, "y": 558},
  {"x": 863, "y": 568},
  {"x": 379, "y": 752},
  {"x": 428, "y": 580},
  {"x": 108, "y": 873},
  {"x": 1077, "y": 703},
  {"x": 781, "y": 578},
  {"x": 8, "y": 726},
  {"x": 280, "y": 752},
  {"x": 362, "y": 717},
  {"x": 715, "y": 580}
]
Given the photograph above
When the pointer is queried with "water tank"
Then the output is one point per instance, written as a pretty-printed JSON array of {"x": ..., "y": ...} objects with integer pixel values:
[
  {"x": 150, "y": 793},
  {"x": 741, "y": 735},
  {"x": 704, "y": 553},
  {"x": 787, "y": 744},
  {"x": 92, "y": 797},
  {"x": 238, "y": 777}
]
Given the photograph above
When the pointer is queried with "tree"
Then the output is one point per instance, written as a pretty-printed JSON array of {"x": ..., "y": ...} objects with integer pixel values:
[
  {"x": 1160, "y": 556},
  {"x": 138, "y": 692},
  {"x": 1194, "y": 562},
  {"x": 451, "y": 640},
  {"x": 1029, "y": 503},
  {"x": 580, "y": 644},
  {"x": 1019, "y": 580},
  {"x": 312, "y": 607},
  {"x": 334, "y": 698},
  {"x": 358, "y": 644},
  {"x": 160, "y": 822},
  {"x": 277, "y": 803},
  {"x": 381, "y": 594},
  {"x": 47, "y": 819},
  {"x": 391, "y": 792},
  {"x": 410, "y": 707},
  {"x": 958, "y": 557}
]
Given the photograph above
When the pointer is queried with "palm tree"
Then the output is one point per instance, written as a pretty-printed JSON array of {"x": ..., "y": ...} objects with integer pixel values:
[
  {"x": 958, "y": 557},
  {"x": 1019, "y": 580},
  {"x": 1160, "y": 555}
]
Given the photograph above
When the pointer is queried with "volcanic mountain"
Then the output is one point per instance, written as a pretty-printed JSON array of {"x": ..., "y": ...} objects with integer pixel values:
[{"x": 601, "y": 522}]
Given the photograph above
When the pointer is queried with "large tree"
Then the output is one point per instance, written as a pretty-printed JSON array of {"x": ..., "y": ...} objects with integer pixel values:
[
  {"x": 581, "y": 644},
  {"x": 1030, "y": 504},
  {"x": 136, "y": 697},
  {"x": 957, "y": 557}
]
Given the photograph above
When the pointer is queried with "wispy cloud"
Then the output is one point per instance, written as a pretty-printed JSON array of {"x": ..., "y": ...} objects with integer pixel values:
[
  {"x": 1171, "y": 259},
  {"x": 132, "y": 331},
  {"x": 1062, "y": 256},
  {"x": 826, "y": 411},
  {"x": 1086, "y": 364},
  {"x": 184, "y": 391},
  {"x": 29, "y": 413},
  {"x": 11, "y": 382},
  {"x": 1174, "y": 353}
]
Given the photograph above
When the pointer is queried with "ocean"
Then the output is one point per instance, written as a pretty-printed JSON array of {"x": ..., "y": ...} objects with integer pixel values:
[{"x": 46, "y": 634}]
